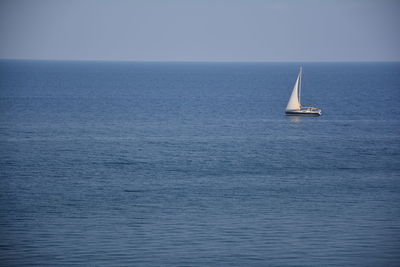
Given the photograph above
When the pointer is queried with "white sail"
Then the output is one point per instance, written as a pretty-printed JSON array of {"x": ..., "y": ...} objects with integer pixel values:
[{"x": 294, "y": 100}]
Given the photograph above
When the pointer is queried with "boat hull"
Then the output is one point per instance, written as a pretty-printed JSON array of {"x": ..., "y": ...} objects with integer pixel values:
[
  {"x": 306, "y": 112},
  {"x": 302, "y": 114}
]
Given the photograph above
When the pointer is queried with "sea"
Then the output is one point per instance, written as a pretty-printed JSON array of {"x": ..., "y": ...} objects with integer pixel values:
[{"x": 196, "y": 164}]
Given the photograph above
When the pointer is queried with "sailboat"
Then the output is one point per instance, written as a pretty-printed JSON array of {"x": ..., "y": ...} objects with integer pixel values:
[{"x": 294, "y": 105}]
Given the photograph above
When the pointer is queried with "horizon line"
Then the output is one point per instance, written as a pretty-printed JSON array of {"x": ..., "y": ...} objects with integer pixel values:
[{"x": 201, "y": 61}]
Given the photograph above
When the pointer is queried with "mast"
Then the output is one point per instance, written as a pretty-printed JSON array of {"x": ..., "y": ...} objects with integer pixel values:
[{"x": 300, "y": 78}]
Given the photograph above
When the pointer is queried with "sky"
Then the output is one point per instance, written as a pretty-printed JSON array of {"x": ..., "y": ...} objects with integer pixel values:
[{"x": 201, "y": 30}]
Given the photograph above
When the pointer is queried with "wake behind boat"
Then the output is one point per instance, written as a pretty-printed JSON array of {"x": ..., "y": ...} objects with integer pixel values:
[{"x": 294, "y": 105}]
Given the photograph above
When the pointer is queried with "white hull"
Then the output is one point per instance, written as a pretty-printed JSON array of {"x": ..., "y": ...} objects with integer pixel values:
[{"x": 305, "y": 111}]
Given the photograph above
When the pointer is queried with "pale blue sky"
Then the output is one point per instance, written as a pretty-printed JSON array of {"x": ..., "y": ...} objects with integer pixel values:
[{"x": 194, "y": 30}]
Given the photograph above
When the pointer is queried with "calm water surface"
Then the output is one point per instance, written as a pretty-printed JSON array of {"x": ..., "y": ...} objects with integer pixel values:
[{"x": 195, "y": 164}]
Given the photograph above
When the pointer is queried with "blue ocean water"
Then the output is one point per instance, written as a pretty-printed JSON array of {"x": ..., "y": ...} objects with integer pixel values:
[{"x": 195, "y": 164}]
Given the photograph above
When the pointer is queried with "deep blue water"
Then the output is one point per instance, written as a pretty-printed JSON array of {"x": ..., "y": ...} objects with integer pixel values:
[{"x": 195, "y": 164}]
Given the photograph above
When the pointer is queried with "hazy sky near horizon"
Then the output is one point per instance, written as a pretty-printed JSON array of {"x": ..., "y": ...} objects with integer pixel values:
[{"x": 207, "y": 30}]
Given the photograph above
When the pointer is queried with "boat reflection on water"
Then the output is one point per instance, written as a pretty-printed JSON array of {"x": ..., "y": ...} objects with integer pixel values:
[
  {"x": 299, "y": 118},
  {"x": 295, "y": 118}
]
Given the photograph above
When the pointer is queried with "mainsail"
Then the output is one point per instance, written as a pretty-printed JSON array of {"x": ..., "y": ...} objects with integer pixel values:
[{"x": 294, "y": 100}]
